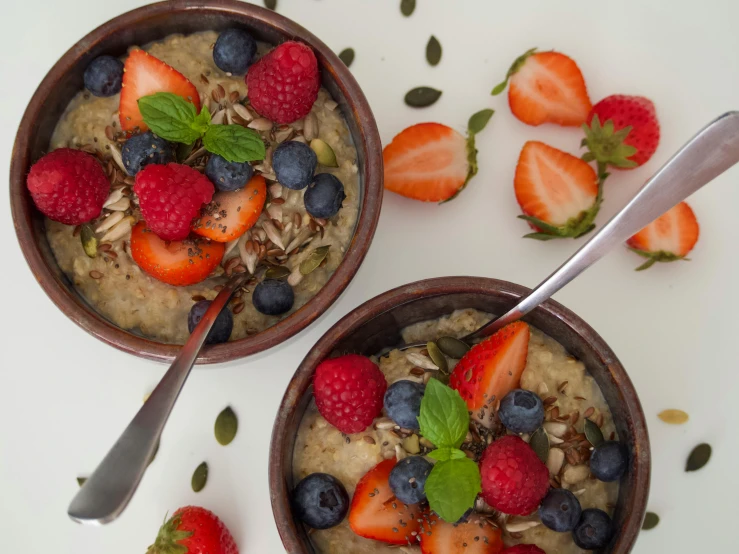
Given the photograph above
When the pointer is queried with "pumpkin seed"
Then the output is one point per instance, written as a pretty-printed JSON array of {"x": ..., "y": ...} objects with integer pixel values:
[
  {"x": 593, "y": 433},
  {"x": 454, "y": 348},
  {"x": 226, "y": 426},
  {"x": 479, "y": 120},
  {"x": 89, "y": 241},
  {"x": 698, "y": 457},
  {"x": 315, "y": 258},
  {"x": 433, "y": 51},
  {"x": 673, "y": 417},
  {"x": 81, "y": 480},
  {"x": 347, "y": 56},
  {"x": 407, "y": 7},
  {"x": 270, "y": 4},
  {"x": 200, "y": 477},
  {"x": 277, "y": 272},
  {"x": 651, "y": 520},
  {"x": 422, "y": 97},
  {"x": 437, "y": 357},
  {"x": 183, "y": 151},
  {"x": 324, "y": 153},
  {"x": 539, "y": 442}
]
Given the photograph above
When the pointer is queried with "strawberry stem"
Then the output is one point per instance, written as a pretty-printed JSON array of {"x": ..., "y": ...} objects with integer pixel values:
[{"x": 515, "y": 66}]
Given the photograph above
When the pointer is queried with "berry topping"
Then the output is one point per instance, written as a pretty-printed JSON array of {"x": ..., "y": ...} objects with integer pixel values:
[
  {"x": 230, "y": 214},
  {"x": 320, "y": 501},
  {"x": 228, "y": 176},
  {"x": 104, "y": 75},
  {"x": 68, "y": 186},
  {"x": 221, "y": 330},
  {"x": 403, "y": 403},
  {"x": 324, "y": 196},
  {"x": 144, "y": 149},
  {"x": 523, "y": 549},
  {"x": 475, "y": 536},
  {"x": 593, "y": 531},
  {"x": 609, "y": 461},
  {"x": 521, "y": 411},
  {"x": 273, "y": 297},
  {"x": 514, "y": 480},
  {"x": 234, "y": 51},
  {"x": 408, "y": 478},
  {"x": 349, "y": 391},
  {"x": 284, "y": 84},
  {"x": 294, "y": 164},
  {"x": 194, "y": 530},
  {"x": 560, "y": 510}
]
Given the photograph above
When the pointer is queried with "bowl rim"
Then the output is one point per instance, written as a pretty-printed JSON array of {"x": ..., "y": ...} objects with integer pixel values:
[
  {"x": 428, "y": 288},
  {"x": 371, "y": 171}
]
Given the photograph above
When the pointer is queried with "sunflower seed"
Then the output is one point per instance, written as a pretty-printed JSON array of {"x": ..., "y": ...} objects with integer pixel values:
[
  {"x": 218, "y": 117},
  {"x": 400, "y": 454},
  {"x": 243, "y": 112},
  {"x": 199, "y": 477},
  {"x": 421, "y": 361},
  {"x": 120, "y": 230},
  {"x": 555, "y": 428},
  {"x": 437, "y": 357},
  {"x": 226, "y": 426},
  {"x": 302, "y": 236},
  {"x": 347, "y": 56},
  {"x": 454, "y": 348},
  {"x": 295, "y": 277},
  {"x": 422, "y": 97},
  {"x": 275, "y": 209},
  {"x": 384, "y": 423},
  {"x": 261, "y": 124},
  {"x": 673, "y": 417},
  {"x": 575, "y": 474},
  {"x": 248, "y": 255},
  {"x": 121, "y": 206},
  {"x": 273, "y": 235},
  {"x": 190, "y": 160},
  {"x": 89, "y": 241},
  {"x": 555, "y": 460},
  {"x": 539, "y": 443},
  {"x": 521, "y": 526},
  {"x": 233, "y": 244},
  {"x": 310, "y": 126},
  {"x": 651, "y": 520},
  {"x": 315, "y": 258},
  {"x": 324, "y": 153},
  {"x": 283, "y": 134},
  {"x": 593, "y": 433},
  {"x": 114, "y": 197},
  {"x": 433, "y": 51},
  {"x": 698, "y": 457},
  {"x": 116, "y": 155}
]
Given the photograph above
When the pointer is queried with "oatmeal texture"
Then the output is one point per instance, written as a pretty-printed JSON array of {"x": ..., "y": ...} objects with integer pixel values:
[
  {"x": 133, "y": 300},
  {"x": 320, "y": 447}
]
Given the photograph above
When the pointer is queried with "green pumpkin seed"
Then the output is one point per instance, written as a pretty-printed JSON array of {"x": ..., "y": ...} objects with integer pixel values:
[
  {"x": 324, "y": 153},
  {"x": 454, "y": 348},
  {"x": 651, "y": 520},
  {"x": 226, "y": 426},
  {"x": 479, "y": 120},
  {"x": 407, "y": 7},
  {"x": 277, "y": 272},
  {"x": 422, "y": 97},
  {"x": 200, "y": 477},
  {"x": 81, "y": 480},
  {"x": 539, "y": 443},
  {"x": 593, "y": 433},
  {"x": 347, "y": 56},
  {"x": 433, "y": 51},
  {"x": 437, "y": 357},
  {"x": 698, "y": 457},
  {"x": 271, "y": 4},
  {"x": 315, "y": 258},
  {"x": 89, "y": 241},
  {"x": 183, "y": 151}
]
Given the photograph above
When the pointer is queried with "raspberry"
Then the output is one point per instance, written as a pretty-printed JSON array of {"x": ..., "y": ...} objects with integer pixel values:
[
  {"x": 284, "y": 84},
  {"x": 349, "y": 392},
  {"x": 523, "y": 549},
  {"x": 170, "y": 196},
  {"x": 514, "y": 481},
  {"x": 68, "y": 186}
]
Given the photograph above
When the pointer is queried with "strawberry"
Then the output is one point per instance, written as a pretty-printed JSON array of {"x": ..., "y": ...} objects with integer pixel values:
[
  {"x": 143, "y": 74},
  {"x": 474, "y": 536},
  {"x": 375, "y": 513},
  {"x": 546, "y": 87},
  {"x": 231, "y": 213},
  {"x": 491, "y": 369},
  {"x": 193, "y": 530},
  {"x": 668, "y": 238},
  {"x": 559, "y": 194},
  {"x": 178, "y": 263},
  {"x": 621, "y": 131}
]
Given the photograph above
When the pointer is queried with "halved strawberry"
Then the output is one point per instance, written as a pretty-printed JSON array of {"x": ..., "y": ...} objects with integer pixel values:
[
  {"x": 376, "y": 514},
  {"x": 559, "y": 194},
  {"x": 491, "y": 369},
  {"x": 546, "y": 87},
  {"x": 179, "y": 263},
  {"x": 231, "y": 213},
  {"x": 475, "y": 536},
  {"x": 143, "y": 74},
  {"x": 668, "y": 238}
]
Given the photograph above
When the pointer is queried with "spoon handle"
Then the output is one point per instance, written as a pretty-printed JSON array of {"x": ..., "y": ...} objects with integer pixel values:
[
  {"x": 708, "y": 154},
  {"x": 109, "y": 489}
]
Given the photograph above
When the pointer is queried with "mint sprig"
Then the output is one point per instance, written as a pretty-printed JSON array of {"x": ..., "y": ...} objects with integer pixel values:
[
  {"x": 443, "y": 418},
  {"x": 452, "y": 487}
]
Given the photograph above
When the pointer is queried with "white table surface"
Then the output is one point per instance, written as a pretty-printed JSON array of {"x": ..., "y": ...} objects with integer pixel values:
[{"x": 64, "y": 397}]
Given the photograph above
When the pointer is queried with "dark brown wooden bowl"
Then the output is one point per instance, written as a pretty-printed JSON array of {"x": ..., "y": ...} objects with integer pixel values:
[
  {"x": 376, "y": 325},
  {"x": 147, "y": 24}
]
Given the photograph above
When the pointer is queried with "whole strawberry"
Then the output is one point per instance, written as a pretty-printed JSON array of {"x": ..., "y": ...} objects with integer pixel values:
[
  {"x": 284, "y": 84},
  {"x": 170, "y": 196},
  {"x": 68, "y": 186},
  {"x": 523, "y": 549},
  {"x": 514, "y": 480},
  {"x": 193, "y": 530},
  {"x": 349, "y": 392}
]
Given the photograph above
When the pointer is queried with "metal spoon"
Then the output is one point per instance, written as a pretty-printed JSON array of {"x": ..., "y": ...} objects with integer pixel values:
[{"x": 108, "y": 490}]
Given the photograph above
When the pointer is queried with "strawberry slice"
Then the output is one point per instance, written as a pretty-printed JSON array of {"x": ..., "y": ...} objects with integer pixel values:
[
  {"x": 179, "y": 263},
  {"x": 376, "y": 514},
  {"x": 475, "y": 536},
  {"x": 668, "y": 238},
  {"x": 491, "y": 369},
  {"x": 559, "y": 194},
  {"x": 143, "y": 74},
  {"x": 232, "y": 213}
]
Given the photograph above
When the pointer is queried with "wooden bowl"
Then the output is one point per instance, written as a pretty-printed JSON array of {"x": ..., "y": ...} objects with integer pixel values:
[
  {"x": 376, "y": 325},
  {"x": 154, "y": 22}
]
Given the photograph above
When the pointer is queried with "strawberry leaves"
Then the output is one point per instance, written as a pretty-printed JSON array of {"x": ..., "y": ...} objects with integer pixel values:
[
  {"x": 515, "y": 66},
  {"x": 606, "y": 145}
]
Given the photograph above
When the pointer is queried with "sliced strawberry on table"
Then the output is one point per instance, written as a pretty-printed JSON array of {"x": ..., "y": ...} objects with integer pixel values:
[
  {"x": 376, "y": 514},
  {"x": 559, "y": 194},
  {"x": 231, "y": 213},
  {"x": 143, "y": 75},
  {"x": 668, "y": 238},
  {"x": 475, "y": 536}
]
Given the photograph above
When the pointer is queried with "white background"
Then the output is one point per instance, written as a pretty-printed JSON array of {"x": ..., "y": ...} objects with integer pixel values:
[{"x": 64, "y": 397}]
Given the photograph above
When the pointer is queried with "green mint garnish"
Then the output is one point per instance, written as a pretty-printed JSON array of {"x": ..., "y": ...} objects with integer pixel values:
[
  {"x": 443, "y": 419},
  {"x": 443, "y": 454},
  {"x": 452, "y": 486},
  {"x": 234, "y": 143}
]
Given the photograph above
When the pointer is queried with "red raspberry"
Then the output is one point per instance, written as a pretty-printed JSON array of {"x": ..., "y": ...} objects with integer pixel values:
[
  {"x": 68, "y": 186},
  {"x": 523, "y": 549},
  {"x": 514, "y": 481},
  {"x": 284, "y": 84},
  {"x": 349, "y": 392},
  {"x": 170, "y": 196}
]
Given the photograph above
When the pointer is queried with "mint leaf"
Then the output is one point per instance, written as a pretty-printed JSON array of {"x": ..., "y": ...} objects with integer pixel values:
[
  {"x": 442, "y": 454},
  {"x": 202, "y": 121},
  {"x": 451, "y": 488},
  {"x": 234, "y": 143},
  {"x": 172, "y": 117},
  {"x": 443, "y": 419}
]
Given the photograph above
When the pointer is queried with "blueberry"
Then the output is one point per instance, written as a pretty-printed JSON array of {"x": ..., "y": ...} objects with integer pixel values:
[
  {"x": 234, "y": 51},
  {"x": 294, "y": 164},
  {"x": 593, "y": 531},
  {"x": 609, "y": 461},
  {"x": 227, "y": 175},
  {"x": 521, "y": 411},
  {"x": 273, "y": 297},
  {"x": 104, "y": 75},
  {"x": 320, "y": 500},
  {"x": 144, "y": 149},
  {"x": 221, "y": 330},
  {"x": 560, "y": 510},
  {"x": 408, "y": 478},
  {"x": 324, "y": 196},
  {"x": 403, "y": 403}
]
